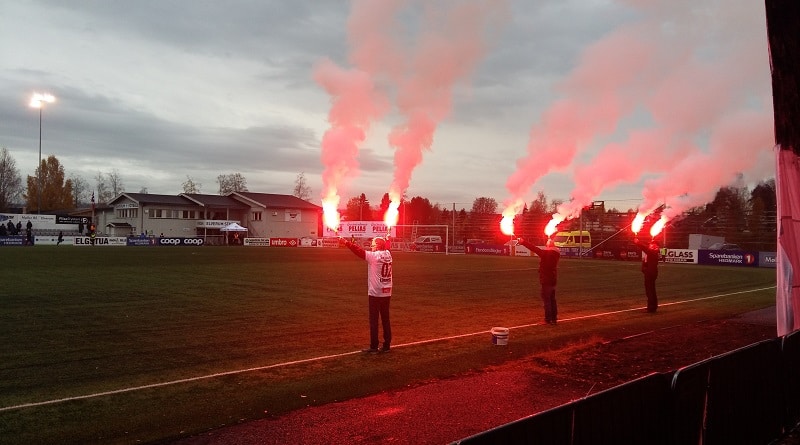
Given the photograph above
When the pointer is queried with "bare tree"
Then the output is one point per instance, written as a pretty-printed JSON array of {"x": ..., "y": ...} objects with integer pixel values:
[
  {"x": 80, "y": 189},
  {"x": 10, "y": 180},
  {"x": 233, "y": 182},
  {"x": 109, "y": 185},
  {"x": 190, "y": 186},
  {"x": 115, "y": 182},
  {"x": 301, "y": 188},
  {"x": 101, "y": 187}
]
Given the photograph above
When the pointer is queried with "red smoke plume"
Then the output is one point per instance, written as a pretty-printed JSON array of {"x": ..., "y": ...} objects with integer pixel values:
[{"x": 686, "y": 107}]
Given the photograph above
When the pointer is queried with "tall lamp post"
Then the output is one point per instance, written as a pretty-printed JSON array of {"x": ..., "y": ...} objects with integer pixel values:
[{"x": 37, "y": 101}]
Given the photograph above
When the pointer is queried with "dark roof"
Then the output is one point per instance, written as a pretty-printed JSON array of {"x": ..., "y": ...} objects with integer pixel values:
[
  {"x": 274, "y": 201},
  {"x": 216, "y": 201},
  {"x": 147, "y": 198}
]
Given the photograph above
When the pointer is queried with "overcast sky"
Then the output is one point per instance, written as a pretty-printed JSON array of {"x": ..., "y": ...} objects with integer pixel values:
[{"x": 162, "y": 90}]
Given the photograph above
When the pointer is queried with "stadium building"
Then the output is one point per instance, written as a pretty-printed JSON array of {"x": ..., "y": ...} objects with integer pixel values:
[{"x": 190, "y": 215}]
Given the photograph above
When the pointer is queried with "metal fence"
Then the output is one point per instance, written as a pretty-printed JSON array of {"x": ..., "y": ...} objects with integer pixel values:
[{"x": 747, "y": 396}]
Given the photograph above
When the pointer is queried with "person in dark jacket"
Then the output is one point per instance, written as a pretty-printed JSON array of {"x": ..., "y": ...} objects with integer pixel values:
[
  {"x": 548, "y": 276},
  {"x": 650, "y": 257}
]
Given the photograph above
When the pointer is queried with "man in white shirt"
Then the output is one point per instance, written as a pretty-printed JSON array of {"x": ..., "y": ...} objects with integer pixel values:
[{"x": 379, "y": 290}]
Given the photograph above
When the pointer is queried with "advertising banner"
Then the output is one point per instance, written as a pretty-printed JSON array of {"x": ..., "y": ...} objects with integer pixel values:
[
  {"x": 256, "y": 242},
  {"x": 283, "y": 242},
  {"x": 361, "y": 229},
  {"x": 100, "y": 241},
  {"x": 139, "y": 241},
  {"x": 12, "y": 240},
  {"x": 767, "y": 259},
  {"x": 179, "y": 241},
  {"x": 680, "y": 256},
  {"x": 488, "y": 249},
  {"x": 310, "y": 242},
  {"x": 727, "y": 258}
]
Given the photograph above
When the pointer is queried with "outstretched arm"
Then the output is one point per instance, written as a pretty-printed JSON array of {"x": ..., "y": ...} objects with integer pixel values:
[
  {"x": 530, "y": 246},
  {"x": 355, "y": 248}
]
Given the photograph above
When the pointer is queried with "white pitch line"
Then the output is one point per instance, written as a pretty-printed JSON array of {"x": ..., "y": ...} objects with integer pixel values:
[{"x": 344, "y": 354}]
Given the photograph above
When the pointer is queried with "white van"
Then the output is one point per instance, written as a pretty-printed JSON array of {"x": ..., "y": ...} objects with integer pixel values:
[{"x": 428, "y": 243}]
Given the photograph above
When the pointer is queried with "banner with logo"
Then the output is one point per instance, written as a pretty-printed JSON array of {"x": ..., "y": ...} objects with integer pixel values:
[
  {"x": 727, "y": 258},
  {"x": 100, "y": 241},
  {"x": 179, "y": 241},
  {"x": 680, "y": 256},
  {"x": 361, "y": 229},
  {"x": 283, "y": 242}
]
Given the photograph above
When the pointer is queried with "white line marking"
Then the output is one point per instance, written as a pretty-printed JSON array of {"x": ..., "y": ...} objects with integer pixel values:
[{"x": 326, "y": 357}]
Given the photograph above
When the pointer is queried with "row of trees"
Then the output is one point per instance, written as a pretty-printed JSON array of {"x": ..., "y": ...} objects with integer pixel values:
[
  {"x": 742, "y": 216},
  {"x": 51, "y": 189}
]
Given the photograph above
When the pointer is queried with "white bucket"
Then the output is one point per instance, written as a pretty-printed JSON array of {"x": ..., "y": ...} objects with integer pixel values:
[{"x": 500, "y": 336}]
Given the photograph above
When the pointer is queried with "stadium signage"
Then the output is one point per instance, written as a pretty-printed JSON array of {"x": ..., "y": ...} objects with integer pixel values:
[
  {"x": 71, "y": 219},
  {"x": 256, "y": 242},
  {"x": 213, "y": 223},
  {"x": 283, "y": 242},
  {"x": 12, "y": 240},
  {"x": 360, "y": 229},
  {"x": 180, "y": 241},
  {"x": 486, "y": 249},
  {"x": 100, "y": 241},
  {"x": 141, "y": 242},
  {"x": 680, "y": 256},
  {"x": 727, "y": 258},
  {"x": 767, "y": 259}
]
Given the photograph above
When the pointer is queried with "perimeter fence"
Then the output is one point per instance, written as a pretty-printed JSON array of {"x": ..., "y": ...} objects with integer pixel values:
[{"x": 747, "y": 396}]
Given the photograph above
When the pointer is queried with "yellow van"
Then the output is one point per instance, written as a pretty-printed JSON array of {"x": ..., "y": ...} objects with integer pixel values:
[{"x": 574, "y": 238}]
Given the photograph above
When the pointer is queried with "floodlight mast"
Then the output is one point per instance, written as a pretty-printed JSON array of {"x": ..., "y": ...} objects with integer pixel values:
[{"x": 37, "y": 101}]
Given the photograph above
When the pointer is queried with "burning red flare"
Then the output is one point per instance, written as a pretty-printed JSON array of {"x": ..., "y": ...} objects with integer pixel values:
[
  {"x": 507, "y": 225},
  {"x": 330, "y": 214},
  {"x": 552, "y": 226},
  {"x": 658, "y": 226},
  {"x": 392, "y": 214},
  {"x": 637, "y": 223}
]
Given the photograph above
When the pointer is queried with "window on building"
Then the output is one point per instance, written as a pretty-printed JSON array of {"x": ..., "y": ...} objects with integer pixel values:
[
  {"x": 127, "y": 213},
  {"x": 256, "y": 216}
]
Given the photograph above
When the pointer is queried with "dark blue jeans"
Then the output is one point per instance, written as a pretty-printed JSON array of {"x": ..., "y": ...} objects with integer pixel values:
[
  {"x": 379, "y": 308},
  {"x": 549, "y": 301},
  {"x": 650, "y": 291}
]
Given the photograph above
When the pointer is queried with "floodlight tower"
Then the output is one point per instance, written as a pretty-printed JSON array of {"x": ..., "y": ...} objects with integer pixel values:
[{"x": 37, "y": 101}]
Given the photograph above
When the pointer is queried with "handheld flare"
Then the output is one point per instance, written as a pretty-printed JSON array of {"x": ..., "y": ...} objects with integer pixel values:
[{"x": 507, "y": 225}]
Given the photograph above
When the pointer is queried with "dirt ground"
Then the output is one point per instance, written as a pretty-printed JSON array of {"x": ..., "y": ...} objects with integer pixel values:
[{"x": 443, "y": 411}]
